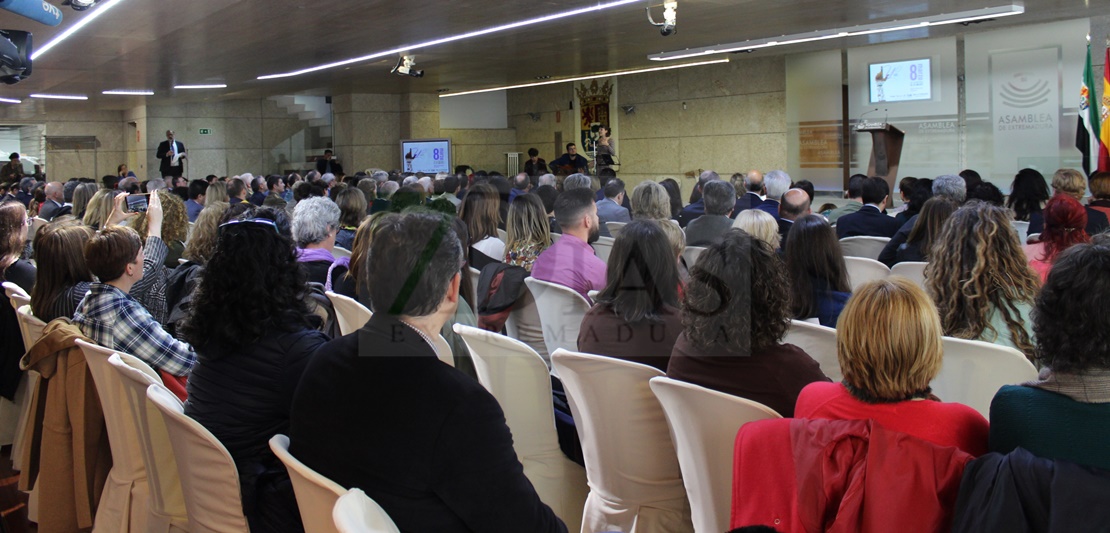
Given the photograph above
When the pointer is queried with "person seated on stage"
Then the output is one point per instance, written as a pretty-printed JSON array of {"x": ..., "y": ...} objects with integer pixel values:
[
  {"x": 112, "y": 318},
  {"x": 535, "y": 165},
  {"x": 736, "y": 310},
  {"x": 1065, "y": 413},
  {"x": 315, "y": 225},
  {"x": 449, "y": 465},
  {"x": 855, "y": 198},
  {"x": 980, "y": 279},
  {"x": 819, "y": 285},
  {"x": 571, "y": 261},
  {"x": 696, "y": 208},
  {"x": 869, "y": 221},
  {"x": 636, "y": 317},
  {"x": 481, "y": 210},
  {"x": 888, "y": 343},
  {"x": 570, "y": 162},
  {"x": 718, "y": 198}
]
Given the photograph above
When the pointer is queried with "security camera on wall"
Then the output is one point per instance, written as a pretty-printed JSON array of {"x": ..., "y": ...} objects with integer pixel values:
[
  {"x": 406, "y": 66},
  {"x": 15, "y": 56},
  {"x": 670, "y": 18}
]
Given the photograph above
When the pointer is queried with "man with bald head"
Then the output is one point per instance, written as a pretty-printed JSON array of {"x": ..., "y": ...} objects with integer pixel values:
[
  {"x": 171, "y": 152},
  {"x": 795, "y": 204},
  {"x": 54, "y": 205},
  {"x": 753, "y": 192}
]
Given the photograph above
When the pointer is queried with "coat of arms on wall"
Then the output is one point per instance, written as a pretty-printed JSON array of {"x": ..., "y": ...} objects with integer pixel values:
[{"x": 593, "y": 100}]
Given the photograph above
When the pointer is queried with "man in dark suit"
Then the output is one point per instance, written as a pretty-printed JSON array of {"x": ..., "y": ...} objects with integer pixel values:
[
  {"x": 327, "y": 165},
  {"x": 719, "y": 197},
  {"x": 753, "y": 188},
  {"x": 379, "y": 411},
  {"x": 168, "y": 150},
  {"x": 795, "y": 204},
  {"x": 870, "y": 220}
]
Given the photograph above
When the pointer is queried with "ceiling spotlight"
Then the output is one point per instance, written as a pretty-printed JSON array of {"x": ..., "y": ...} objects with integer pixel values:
[
  {"x": 670, "y": 17},
  {"x": 406, "y": 66},
  {"x": 80, "y": 5}
]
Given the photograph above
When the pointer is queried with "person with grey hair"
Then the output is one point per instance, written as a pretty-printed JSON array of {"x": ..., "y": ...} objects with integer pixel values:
[
  {"x": 947, "y": 186},
  {"x": 155, "y": 184},
  {"x": 385, "y": 192},
  {"x": 427, "y": 184},
  {"x": 129, "y": 185},
  {"x": 455, "y": 469},
  {"x": 577, "y": 181},
  {"x": 380, "y": 176},
  {"x": 55, "y": 202},
  {"x": 328, "y": 180},
  {"x": 409, "y": 180},
  {"x": 546, "y": 179},
  {"x": 650, "y": 201},
  {"x": 697, "y": 207},
  {"x": 315, "y": 225},
  {"x": 719, "y": 198},
  {"x": 776, "y": 182}
]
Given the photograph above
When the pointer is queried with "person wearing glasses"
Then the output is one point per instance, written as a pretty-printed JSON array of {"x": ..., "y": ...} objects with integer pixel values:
[{"x": 253, "y": 333}]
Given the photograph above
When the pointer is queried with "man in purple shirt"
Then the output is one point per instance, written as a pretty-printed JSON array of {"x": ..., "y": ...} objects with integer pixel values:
[{"x": 571, "y": 261}]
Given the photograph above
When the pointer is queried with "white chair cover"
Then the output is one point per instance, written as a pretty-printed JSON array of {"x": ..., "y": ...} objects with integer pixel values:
[
  {"x": 861, "y": 270},
  {"x": 911, "y": 270},
  {"x": 355, "y": 512},
  {"x": 691, "y": 254},
  {"x": 503, "y": 235},
  {"x": 615, "y": 228},
  {"x": 16, "y": 295},
  {"x": 474, "y": 275},
  {"x": 36, "y": 224},
  {"x": 703, "y": 425},
  {"x": 316, "y": 494},
  {"x": 555, "y": 237},
  {"x": 1022, "y": 229},
  {"x": 973, "y": 371},
  {"x": 124, "y": 502},
  {"x": 631, "y": 464},
  {"x": 210, "y": 484},
  {"x": 819, "y": 342},
  {"x": 520, "y": 381},
  {"x": 603, "y": 247},
  {"x": 167, "y": 503},
  {"x": 561, "y": 312},
  {"x": 524, "y": 325},
  {"x": 339, "y": 251},
  {"x": 869, "y": 247},
  {"x": 350, "y": 314},
  {"x": 31, "y": 329}
]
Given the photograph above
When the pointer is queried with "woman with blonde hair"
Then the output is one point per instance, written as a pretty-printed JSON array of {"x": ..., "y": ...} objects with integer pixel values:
[
  {"x": 81, "y": 196},
  {"x": 980, "y": 279},
  {"x": 175, "y": 225},
  {"x": 528, "y": 231},
  {"x": 216, "y": 192},
  {"x": 888, "y": 343},
  {"x": 202, "y": 243},
  {"x": 98, "y": 209},
  {"x": 650, "y": 201},
  {"x": 761, "y": 225}
]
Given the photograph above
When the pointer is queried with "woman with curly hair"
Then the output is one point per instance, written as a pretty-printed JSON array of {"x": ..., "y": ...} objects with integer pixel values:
[
  {"x": 528, "y": 231},
  {"x": 175, "y": 225},
  {"x": 1065, "y": 413},
  {"x": 815, "y": 264},
  {"x": 980, "y": 280},
  {"x": 1065, "y": 221},
  {"x": 253, "y": 333},
  {"x": 888, "y": 344},
  {"x": 202, "y": 243},
  {"x": 480, "y": 210},
  {"x": 735, "y": 314}
]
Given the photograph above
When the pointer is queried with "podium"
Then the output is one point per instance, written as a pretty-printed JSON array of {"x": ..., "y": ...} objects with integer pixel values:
[{"x": 886, "y": 149}]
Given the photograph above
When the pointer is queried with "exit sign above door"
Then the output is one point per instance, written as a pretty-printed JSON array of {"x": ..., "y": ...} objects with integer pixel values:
[{"x": 204, "y": 131}]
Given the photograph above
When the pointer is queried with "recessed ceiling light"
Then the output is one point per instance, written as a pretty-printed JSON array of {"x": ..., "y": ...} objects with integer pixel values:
[
  {"x": 11, "y": 101},
  {"x": 971, "y": 15},
  {"x": 61, "y": 96},
  {"x": 453, "y": 38},
  {"x": 130, "y": 92},
  {"x": 211, "y": 86},
  {"x": 100, "y": 9},
  {"x": 590, "y": 77}
]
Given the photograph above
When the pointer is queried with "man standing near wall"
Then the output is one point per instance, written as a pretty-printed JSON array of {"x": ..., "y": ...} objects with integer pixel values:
[
  {"x": 13, "y": 171},
  {"x": 171, "y": 153}
]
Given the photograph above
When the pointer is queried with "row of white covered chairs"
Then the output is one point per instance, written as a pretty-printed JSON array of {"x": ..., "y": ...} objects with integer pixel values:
[{"x": 862, "y": 270}]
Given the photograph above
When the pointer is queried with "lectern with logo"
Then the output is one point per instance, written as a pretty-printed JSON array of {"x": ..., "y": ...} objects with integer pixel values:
[{"x": 886, "y": 149}]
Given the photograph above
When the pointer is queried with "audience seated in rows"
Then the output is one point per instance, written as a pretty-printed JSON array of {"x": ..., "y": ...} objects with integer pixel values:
[
  {"x": 674, "y": 192},
  {"x": 1064, "y": 414},
  {"x": 980, "y": 279},
  {"x": 761, "y": 225},
  {"x": 888, "y": 344},
  {"x": 748, "y": 192},
  {"x": 14, "y": 225},
  {"x": 650, "y": 201},
  {"x": 696, "y": 208},
  {"x": 869, "y": 221},
  {"x": 947, "y": 186},
  {"x": 448, "y": 463},
  {"x": 926, "y": 229},
  {"x": 735, "y": 312},
  {"x": 1065, "y": 221},
  {"x": 818, "y": 278},
  {"x": 855, "y": 199},
  {"x": 636, "y": 317},
  {"x": 175, "y": 226},
  {"x": 315, "y": 225},
  {"x": 795, "y": 203},
  {"x": 718, "y": 199},
  {"x": 1071, "y": 182},
  {"x": 480, "y": 210},
  {"x": 63, "y": 278},
  {"x": 352, "y": 209},
  {"x": 571, "y": 261},
  {"x": 609, "y": 208},
  {"x": 776, "y": 183},
  {"x": 528, "y": 231},
  {"x": 1100, "y": 192},
  {"x": 254, "y": 332}
]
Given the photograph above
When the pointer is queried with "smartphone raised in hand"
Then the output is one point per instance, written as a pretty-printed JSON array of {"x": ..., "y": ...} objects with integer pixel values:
[{"x": 137, "y": 203}]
